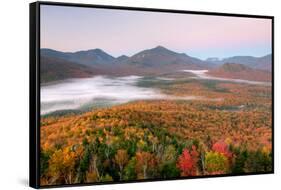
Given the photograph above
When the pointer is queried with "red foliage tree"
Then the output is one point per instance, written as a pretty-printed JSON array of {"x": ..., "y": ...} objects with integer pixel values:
[{"x": 187, "y": 162}]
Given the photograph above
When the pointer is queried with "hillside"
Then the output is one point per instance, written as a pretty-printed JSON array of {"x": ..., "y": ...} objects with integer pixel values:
[
  {"x": 240, "y": 71},
  {"x": 153, "y": 140},
  {"x": 234, "y": 67},
  {"x": 53, "y": 69}
]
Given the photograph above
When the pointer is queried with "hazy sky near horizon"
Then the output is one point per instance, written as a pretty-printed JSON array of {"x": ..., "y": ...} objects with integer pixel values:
[{"x": 124, "y": 32}]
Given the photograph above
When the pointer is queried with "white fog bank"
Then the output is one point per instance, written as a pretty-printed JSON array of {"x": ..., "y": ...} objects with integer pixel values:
[
  {"x": 98, "y": 91},
  {"x": 74, "y": 93}
]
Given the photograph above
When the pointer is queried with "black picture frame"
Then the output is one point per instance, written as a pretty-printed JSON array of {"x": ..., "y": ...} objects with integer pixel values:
[{"x": 34, "y": 90}]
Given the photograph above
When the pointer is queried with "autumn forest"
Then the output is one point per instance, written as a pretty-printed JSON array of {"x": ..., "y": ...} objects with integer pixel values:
[{"x": 226, "y": 128}]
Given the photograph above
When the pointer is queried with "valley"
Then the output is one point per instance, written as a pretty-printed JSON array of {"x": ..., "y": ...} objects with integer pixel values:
[{"x": 131, "y": 120}]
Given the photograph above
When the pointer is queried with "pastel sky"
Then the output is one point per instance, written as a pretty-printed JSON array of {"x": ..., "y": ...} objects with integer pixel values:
[{"x": 120, "y": 32}]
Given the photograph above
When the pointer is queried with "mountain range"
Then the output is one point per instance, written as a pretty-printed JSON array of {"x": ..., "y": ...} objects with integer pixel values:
[
  {"x": 262, "y": 63},
  {"x": 150, "y": 57},
  {"x": 57, "y": 65}
]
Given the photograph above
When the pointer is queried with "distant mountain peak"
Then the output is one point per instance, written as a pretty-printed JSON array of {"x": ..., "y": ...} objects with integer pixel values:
[
  {"x": 122, "y": 57},
  {"x": 159, "y": 50},
  {"x": 96, "y": 50},
  {"x": 160, "y": 47}
]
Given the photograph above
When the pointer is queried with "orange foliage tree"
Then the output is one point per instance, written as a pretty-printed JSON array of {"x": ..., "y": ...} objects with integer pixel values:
[
  {"x": 121, "y": 159},
  {"x": 143, "y": 161}
]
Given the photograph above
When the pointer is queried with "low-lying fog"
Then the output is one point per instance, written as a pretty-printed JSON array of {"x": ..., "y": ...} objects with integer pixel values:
[
  {"x": 98, "y": 91},
  {"x": 202, "y": 74},
  {"x": 101, "y": 91},
  {"x": 74, "y": 93}
]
